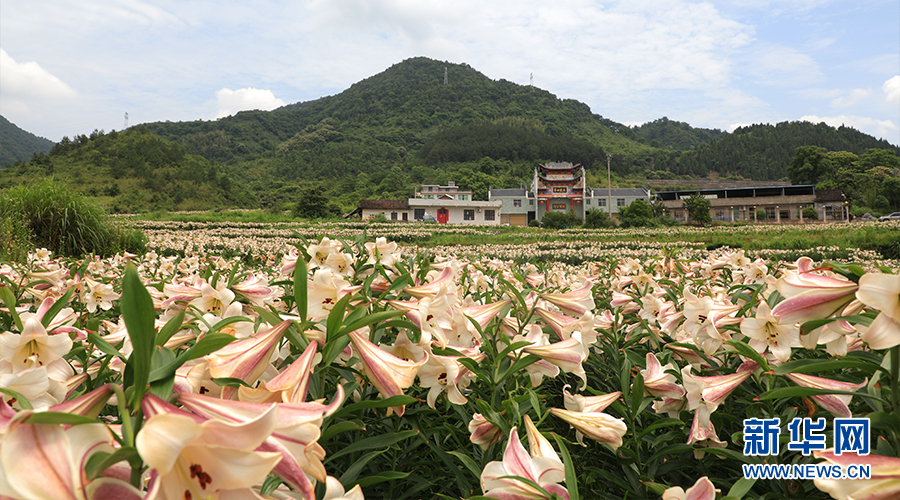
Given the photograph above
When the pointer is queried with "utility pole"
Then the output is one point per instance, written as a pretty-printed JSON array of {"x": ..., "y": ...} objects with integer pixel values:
[
  {"x": 445, "y": 75},
  {"x": 608, "y": 187}
]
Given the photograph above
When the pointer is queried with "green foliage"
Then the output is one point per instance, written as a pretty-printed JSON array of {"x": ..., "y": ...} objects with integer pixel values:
[
  {"x": 809, "y": 165},
  {"x": 761, "y": 214},
  {"x": 810, "y": 213},
  {"x": 697, "y": 208},
  {"x": 669, "y": 134},
  {"x": 61, "y": 220},
  {"x": 638, "y": 214},
  {"x": 560, "y": 220},
  {"x": 134, "y": 170},
  {"x": 312, "y": 203},
  {"x": 597, "y": 219},
  {"x": 17, "y": 145}
]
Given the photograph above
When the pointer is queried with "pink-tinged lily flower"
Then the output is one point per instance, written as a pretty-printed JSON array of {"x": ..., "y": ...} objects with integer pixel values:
[
  {"x": 516, "y": 462},
  {"x": 205, "y": 459},
  {"x": 334, "y": 490},
  {"x": 324, "y": 291},
  {"x": 538, "y": 446},
  {"x": 811, "y": 296},
  {"x": 447, "y": 374},
  {"x": 289, "y": 386},
  {"x": 388, "y": 373},
  {"x": 577, "y": 402},
  {"x": 882, "y": 292},
  {"x": 564, "y": 325},
  {"x": 33, "y": 345},
  {"x": 687, "y": 354},
  {"x": 659, "y": 383},
  {"x": 767, "y": 331},
  {"x": 703, "y": 489},
  {"x": 443, "y": 283},
  {"x": 703, "y": 432},
  {"x": 836, "y": 404},
  {"x": 255, "y": 289},
  {"x": 483, "y": 314},
  {"x": 382, "y": 252},
  {"x": 295, "y": 436},
  {"x": 482, "y": 432},
  {"x": 575, "y": 302},
  {"x": 46, "y": 462},
  {"x": 599, "y": 426},
  {"x": 883, "y": 484},
  {"x": 246, "y": 359},
  {"x": 98, "y": 295},
  {"x": 567, "y": 355},
  {"x": 712, "y": 390}
]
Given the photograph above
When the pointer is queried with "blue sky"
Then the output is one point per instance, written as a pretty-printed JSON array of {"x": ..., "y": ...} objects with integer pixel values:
[{"x": 67, "y": 68}]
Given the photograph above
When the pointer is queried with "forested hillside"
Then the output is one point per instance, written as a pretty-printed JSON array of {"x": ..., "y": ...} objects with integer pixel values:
[
  {"x": 669, "y": 134},
  {"x": 133, "y": 170},
  {"x": 763, "y": 152},
  {"x": 17, "y": 144}
]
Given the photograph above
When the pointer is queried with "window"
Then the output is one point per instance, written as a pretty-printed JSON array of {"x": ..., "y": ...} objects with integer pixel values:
[
  {"x": 468, "y": 215},
  {"x": 419, "y": 214},
  {"x": 488, "y": 215},
  {"x": 620, "y": 202},
  {"x": 587, "y": 201},
  {"x": 770, "y": 213},
  {"x": 463, "y": 197},
  {"x": 601, "y": 202},
  {"x": 531, "y": 202},
  {"x": 785, "y": 214},
  {"x": 517, "y": 203},
  {"x": 560, "y": 190},
  {"x": 393, "y": 215}
]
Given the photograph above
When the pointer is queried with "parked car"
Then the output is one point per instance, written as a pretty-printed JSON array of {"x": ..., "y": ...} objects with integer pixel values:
[{"x": 893, "y": 216}]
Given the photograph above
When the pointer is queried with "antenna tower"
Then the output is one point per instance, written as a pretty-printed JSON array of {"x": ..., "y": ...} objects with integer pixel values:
[
  {"x": 126, "y": 119},
  {"x": 531, "y": 77},
  {"x": 445, "y": 75}
]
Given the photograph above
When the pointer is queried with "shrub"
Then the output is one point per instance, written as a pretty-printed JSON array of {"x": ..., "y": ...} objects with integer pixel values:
[
  {"x": 560, "y": 220},
  {"x": 60, "y": 219},
  {"x": 697, "y": 208},
  {"x": 761, "y": 214},
  {"x": 810, "y": 213},
  {"x": 637, "y": 214},
  {"x": 597, "y": 219}
]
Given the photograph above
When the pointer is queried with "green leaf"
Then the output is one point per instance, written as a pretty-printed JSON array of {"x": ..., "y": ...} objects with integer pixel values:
[
  {"x": 139, "y": 314},
  {"x": 104, "y": 346},
  {"x": 101, "y": 460},
  {"x": 56, "y": 307},
  {"x": 822, "y": 365},
  {"x": 399, "y": 400},
  {"x": 352, "y": 473},
  {"x": 57, "y": 417},
  {"x": 9, "y": 300},
  {"x": 748, "y": 352},
  {"x": 301, "y": 276},
  {"x": 637, "y": 394},
  {"x": 229, "y": 382},
  {"x": 335, "y": 316},
  {"x": 335, "y": 429},
  {"x": 170, "y": 328},
  {"x": 790, "y": 392},
  {"x": 210, "y": 343},
  {"x": 370, "y": 320},
  {"x": 468, "y": 462},
  {"x": 379, "y": 441},
  {"x": 571, "y": 479},
  {"x": 21, "y": 399},
  {"x": 381, "y": 478},
  {"x": 741, "y": 487}
]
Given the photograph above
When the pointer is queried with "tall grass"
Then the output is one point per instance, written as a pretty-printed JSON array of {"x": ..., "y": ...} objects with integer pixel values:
[{"x": 49, "y": 214}]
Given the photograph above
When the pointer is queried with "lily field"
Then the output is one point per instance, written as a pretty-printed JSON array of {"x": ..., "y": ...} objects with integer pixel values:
[{"x": 277, "y": 360}]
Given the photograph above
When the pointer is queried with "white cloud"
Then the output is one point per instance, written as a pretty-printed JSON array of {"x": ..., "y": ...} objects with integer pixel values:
[
  {"x": 892, "y": 90},
  {"x": 232, "y": 101},
  {"x": 29, "y": 80},
  {"x": 883, "y": 129},
  {"x": 782, "y": 66},
  {"x": 851, "y": 98}
]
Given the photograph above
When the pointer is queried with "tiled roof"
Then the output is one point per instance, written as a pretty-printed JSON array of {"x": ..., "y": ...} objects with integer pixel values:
[
  {"x": 830, "y": 195},
  {"x": 384, "y": 204}
]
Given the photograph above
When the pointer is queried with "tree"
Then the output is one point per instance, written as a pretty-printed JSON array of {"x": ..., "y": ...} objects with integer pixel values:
[
  {"x": 312, "y": 204},
  {"x": 597, "y": 219},
  {"x": 810, "y": 163},
  {"x": 637, "y": 214},
  {"x": 697, "y": 208}
]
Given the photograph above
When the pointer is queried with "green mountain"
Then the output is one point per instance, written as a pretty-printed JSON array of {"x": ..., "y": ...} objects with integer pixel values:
[
  {"x": 409, "y": 116},
  {"x": 133, "y": 170},
  {"x": 19, "y": 145},
  {"x": 763, "y": 151},
  {"x": 669, "y": 134}
]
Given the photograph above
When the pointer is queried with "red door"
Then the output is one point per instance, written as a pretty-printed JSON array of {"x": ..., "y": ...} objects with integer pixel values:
[{"x": 442, "y": 215}]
